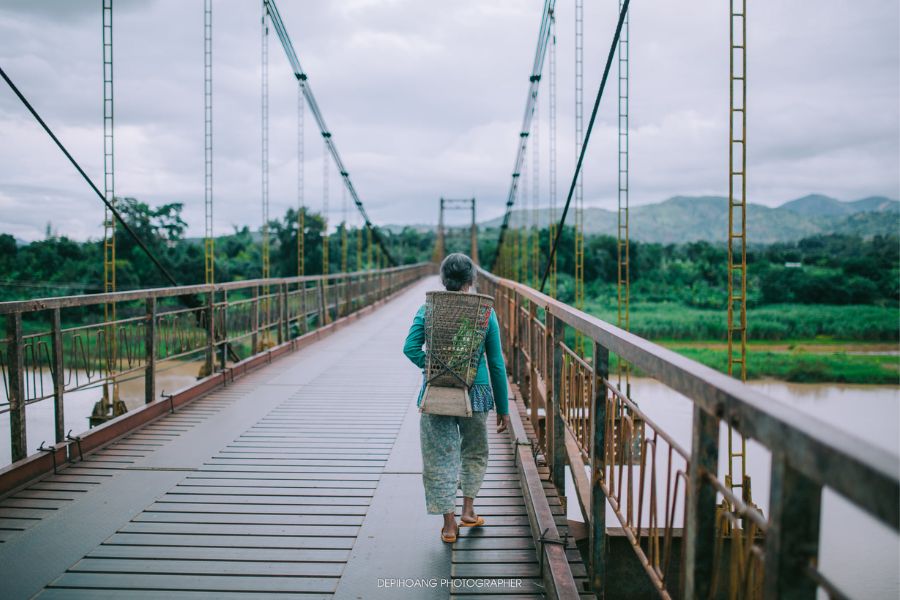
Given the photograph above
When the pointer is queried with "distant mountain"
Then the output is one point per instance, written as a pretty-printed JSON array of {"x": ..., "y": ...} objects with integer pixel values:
[{"x": 691, "y": 218}]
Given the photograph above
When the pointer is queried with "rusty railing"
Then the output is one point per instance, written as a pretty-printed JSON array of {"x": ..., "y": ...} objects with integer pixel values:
[
  {"x": 692, "y": 537},
  {"x": 55, "y": 346}
]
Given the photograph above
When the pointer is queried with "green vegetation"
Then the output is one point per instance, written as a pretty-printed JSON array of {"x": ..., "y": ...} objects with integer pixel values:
[{"x": 835, "y": 292}]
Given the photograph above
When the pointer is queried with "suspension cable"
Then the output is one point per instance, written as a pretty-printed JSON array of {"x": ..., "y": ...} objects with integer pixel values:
[
  {"x": 301, "y": 76},
  {"x": 534, "y": 80},
  {"x": 587, "y": 138},
  {"x": 87, "y": 179}
]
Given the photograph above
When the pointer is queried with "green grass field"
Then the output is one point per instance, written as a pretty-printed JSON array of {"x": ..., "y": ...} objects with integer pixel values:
[{"x": 790, "y": 342}]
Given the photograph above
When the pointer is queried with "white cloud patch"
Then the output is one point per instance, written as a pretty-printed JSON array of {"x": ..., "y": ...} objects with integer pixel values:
[{"x": 425, "y": 99}]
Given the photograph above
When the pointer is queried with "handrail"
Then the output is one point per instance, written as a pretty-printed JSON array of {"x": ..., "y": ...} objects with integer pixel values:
[
  {"x": 184, "y": 290},
  {"x": 622, "y": 446},
  {"x": 233, "y": 323}
]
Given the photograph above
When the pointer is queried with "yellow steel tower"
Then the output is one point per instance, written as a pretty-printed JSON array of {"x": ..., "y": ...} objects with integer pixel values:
[{"x": 737, "y": 231}]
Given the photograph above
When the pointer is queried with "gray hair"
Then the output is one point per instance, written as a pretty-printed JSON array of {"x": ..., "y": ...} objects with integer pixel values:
[{"x": 457, "y": 271}]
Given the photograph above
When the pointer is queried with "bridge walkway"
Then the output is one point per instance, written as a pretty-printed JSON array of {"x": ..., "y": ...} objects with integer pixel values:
[{"x": 301, "y": 479}]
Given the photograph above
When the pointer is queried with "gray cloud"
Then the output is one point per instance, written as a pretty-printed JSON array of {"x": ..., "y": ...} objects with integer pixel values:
[{"x": 425, "y": 98}]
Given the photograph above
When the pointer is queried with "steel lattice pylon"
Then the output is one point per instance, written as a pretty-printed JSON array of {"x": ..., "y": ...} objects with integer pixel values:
[{"x": 209, "y": 241}]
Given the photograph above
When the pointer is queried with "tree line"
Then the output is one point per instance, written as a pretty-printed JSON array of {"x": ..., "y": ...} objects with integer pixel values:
[{"x": 823, "y": 269}]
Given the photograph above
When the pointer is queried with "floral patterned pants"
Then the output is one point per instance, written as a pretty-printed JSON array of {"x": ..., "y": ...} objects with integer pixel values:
[{"x": 454, "y": 455}]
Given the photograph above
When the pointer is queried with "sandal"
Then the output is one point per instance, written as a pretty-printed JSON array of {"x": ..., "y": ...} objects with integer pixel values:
[
  {"x": 447, "y": 539},
  {"x": 477, "y": 523}
]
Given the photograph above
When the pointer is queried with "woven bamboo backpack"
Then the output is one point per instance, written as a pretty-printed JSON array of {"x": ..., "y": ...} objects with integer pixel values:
[{"x": 456, "y": 324}]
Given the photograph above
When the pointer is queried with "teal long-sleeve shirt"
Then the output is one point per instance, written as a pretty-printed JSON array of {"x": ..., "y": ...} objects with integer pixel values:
[{"x": 493, "y": 372}]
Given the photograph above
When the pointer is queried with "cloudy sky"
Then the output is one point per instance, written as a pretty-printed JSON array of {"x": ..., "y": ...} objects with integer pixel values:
[{"x": 425, "y": 98}]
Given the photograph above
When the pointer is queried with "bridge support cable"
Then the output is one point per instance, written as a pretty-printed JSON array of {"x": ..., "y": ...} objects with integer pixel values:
[
  {"x": 737, "y": 233},
  {"x": 326, "y": 176},
  {"x": 264, "y": 305},
  {"x": 623, "y": 255},
  {"x": 209, "y": 256},
  {"x": 552, "y": 153},
  {"x": 584, "y": 146},
  {"x": 579, "y": 183},
  {"x": 534, "y": 83},
  {"x": 301, "y": 183},
  {"x": 280, "y": 30},
  {"x": 524, "y": 216},
  {"x": 344, "y": 225},
  {"x": 109, "y": 205},
  {"x": 439, "y": 250}
]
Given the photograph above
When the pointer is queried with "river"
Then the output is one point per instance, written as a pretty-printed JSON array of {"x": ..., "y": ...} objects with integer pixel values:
[
  {"x": 172, "y": 375},
  {"x": 858, "y": 553}
]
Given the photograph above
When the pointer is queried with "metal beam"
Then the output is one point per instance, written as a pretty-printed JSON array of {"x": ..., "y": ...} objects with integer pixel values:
[{"x": 303, "y": 79}]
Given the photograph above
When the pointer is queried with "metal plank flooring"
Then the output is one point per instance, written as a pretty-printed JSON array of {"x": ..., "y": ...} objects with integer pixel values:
[{"x": 302, "y": 479}]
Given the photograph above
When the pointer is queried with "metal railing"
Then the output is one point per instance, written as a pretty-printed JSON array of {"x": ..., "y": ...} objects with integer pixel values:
[
  {"x": 56, "y": 346},
  {"x": 691, "y": 535}
]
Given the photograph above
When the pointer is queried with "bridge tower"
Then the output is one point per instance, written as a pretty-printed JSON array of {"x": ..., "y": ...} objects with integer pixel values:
[{"x": 440, "y": 246}]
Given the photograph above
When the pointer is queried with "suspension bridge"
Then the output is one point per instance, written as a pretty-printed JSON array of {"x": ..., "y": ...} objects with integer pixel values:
[{"x": 291, "y": 467}]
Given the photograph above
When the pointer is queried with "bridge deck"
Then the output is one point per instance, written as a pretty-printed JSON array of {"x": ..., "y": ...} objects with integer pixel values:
[{"x": 303, "y": 477}]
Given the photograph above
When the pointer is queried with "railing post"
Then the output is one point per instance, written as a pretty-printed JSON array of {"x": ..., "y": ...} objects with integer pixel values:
[
  {"x": 16, "y": 370},
  {"x": 223, "y": 333},
  {"x": 282, "y": 314},
  {"x": 792, "y": 539},
  {"x": 348, "y": 295},
  {"x": 304, "y": 324},
  {"x": 56, "y": 369},
  {"x": 254, "y": 337},
  {"x": 555, "y": 425},
  {"x": 210, "y": 332},
  {"x": 700, "y": 531},
  {"x": 599, "y": 546},
  {"x": 322, "y": 308},
  {"x": 150, "y": 352}
]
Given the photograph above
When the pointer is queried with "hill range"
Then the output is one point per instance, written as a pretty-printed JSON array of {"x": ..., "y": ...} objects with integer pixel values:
[{"x": 692, "y": 218}]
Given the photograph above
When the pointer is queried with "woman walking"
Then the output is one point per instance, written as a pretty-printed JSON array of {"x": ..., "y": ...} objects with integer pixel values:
[{"x": 455, "y": 449}]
